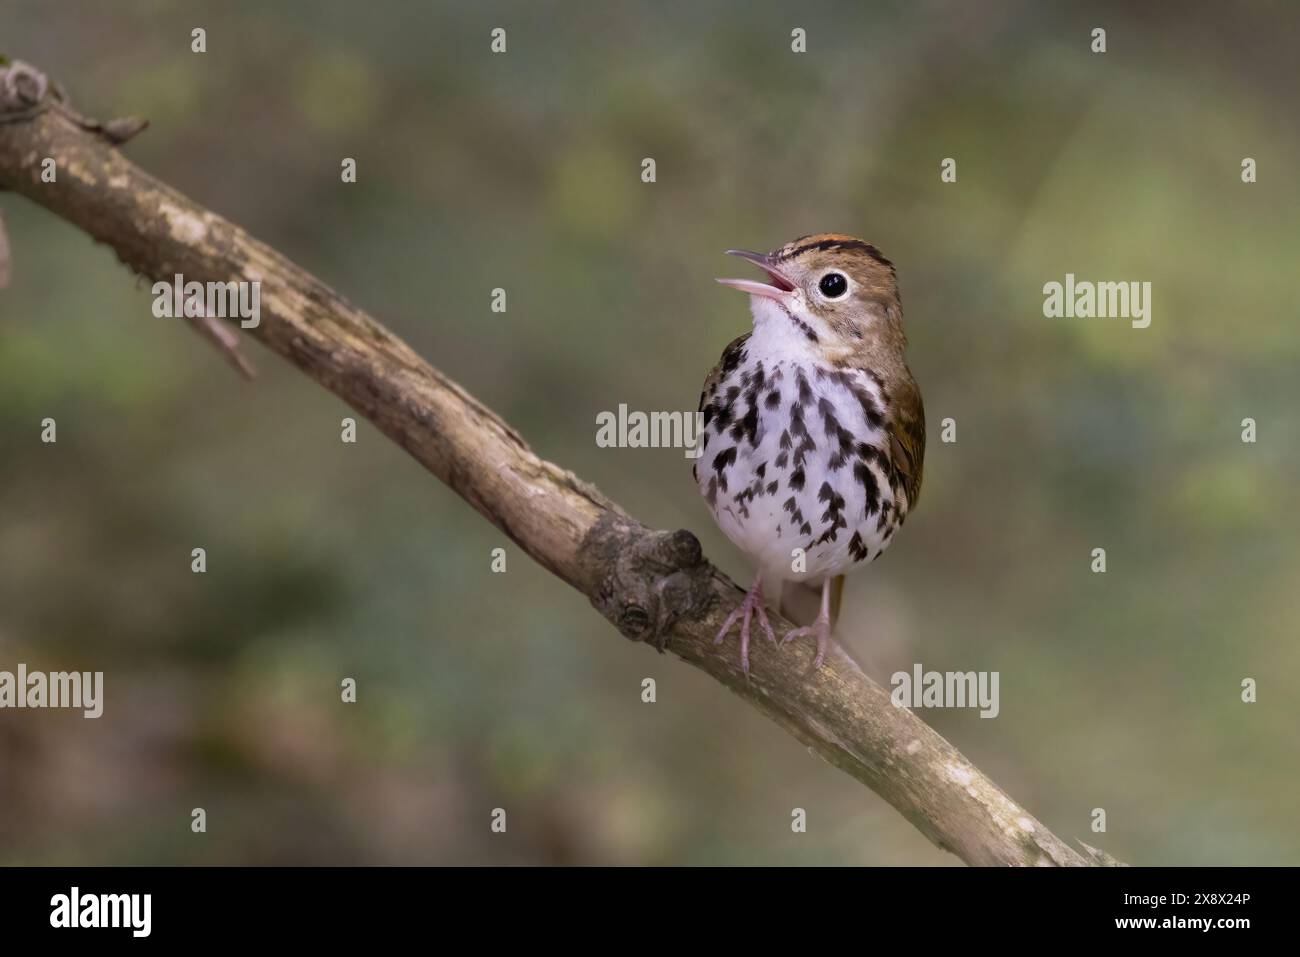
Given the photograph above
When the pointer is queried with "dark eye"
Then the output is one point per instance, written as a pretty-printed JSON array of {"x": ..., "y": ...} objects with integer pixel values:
[{"x": 833, "y": 285}]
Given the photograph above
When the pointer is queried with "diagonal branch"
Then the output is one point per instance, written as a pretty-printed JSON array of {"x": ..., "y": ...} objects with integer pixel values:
[{"x": 654, "y": 586}]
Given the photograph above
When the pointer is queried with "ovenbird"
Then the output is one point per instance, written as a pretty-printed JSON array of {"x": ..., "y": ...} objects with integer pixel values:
[{"x": 814, "y": 431}]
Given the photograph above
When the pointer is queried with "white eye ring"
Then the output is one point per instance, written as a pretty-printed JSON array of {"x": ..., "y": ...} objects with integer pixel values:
[{"x": 833, "y": 285}]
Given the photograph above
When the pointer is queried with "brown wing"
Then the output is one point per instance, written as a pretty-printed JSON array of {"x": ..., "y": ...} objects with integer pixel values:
[
  {"x": 907, "y": 441},
  {"x": 732, "y": 356}
]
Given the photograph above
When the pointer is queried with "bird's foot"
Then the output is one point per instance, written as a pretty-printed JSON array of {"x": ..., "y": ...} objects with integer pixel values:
[
  {"x": 751, "y": 607},
  {"x": 819, "y": 629}
]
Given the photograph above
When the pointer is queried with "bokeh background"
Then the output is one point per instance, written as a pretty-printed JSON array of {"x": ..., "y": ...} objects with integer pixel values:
[{"x": 1119, "y": 691}]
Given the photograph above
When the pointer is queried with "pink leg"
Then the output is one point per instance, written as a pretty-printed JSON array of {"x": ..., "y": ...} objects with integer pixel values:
[
  {"x": 751, "y": 607},
  {"x": 819, "y": 629}
]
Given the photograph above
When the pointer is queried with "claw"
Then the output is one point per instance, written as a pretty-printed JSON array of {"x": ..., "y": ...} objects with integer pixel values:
[
  {"x": 819, "y": 629},
  {"x": 752, "y": 606}
]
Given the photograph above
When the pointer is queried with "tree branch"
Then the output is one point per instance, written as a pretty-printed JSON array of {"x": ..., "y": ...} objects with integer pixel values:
[{"x": 654, "y": 586}]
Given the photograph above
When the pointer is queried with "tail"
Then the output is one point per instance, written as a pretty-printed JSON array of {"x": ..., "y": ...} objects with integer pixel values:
[{"x": 801, "y": 603}]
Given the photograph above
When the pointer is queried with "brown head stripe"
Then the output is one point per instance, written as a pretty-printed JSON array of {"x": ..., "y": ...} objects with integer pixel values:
[{"x": 824, "y": 244}]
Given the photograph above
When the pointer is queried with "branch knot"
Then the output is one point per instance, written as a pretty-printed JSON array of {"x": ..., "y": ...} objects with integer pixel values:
[
  {"x": 22, "y": 91},
  {"x": 646, "y": 580}
]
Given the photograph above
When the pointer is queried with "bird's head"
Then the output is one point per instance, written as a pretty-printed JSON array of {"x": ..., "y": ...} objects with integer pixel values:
[{"x": 837, "y": 292}]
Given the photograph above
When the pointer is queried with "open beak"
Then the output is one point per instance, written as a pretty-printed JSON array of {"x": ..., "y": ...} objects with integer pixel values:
[{"x": 780, "y": 288}]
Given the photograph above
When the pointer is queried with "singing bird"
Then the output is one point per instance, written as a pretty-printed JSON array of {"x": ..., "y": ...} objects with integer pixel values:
[{"x": 814, "y": 432}]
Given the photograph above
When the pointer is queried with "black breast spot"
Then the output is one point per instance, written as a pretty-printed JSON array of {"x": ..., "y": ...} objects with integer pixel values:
[{"x": 857, "y": 549}]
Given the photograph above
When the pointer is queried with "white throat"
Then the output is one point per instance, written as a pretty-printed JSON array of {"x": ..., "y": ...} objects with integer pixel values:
[{"x": 777, "y": 334}]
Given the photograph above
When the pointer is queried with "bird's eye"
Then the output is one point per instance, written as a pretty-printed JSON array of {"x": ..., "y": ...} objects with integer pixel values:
[{"x": 833, "y": 285}]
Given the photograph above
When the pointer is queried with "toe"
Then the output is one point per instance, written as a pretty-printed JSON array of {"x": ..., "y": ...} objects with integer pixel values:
[
  {"x": 823, "y": 643},
  {"x": 726, "y": 626}
]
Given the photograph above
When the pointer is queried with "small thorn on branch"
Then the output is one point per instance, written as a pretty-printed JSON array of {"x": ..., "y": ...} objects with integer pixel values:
[
  {"x": 226, "y": 340},
  {"x": 126, "y": 128}
]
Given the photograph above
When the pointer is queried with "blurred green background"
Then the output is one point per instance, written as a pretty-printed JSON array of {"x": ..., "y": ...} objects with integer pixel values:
[{"x": 1119, "y": 691}]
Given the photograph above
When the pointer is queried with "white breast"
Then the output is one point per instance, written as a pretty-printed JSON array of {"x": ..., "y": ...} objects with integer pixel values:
[{"x": 795, "y": 465}]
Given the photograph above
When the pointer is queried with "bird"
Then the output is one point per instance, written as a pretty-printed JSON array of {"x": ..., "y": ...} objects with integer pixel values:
[{"x": 812, "y": 433}]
